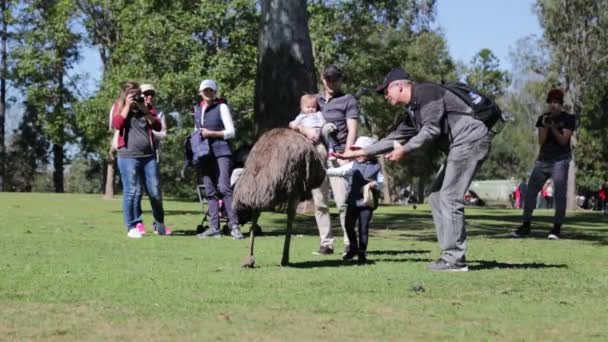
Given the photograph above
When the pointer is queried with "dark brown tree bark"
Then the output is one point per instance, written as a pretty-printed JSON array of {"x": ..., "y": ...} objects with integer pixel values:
[
  {"x": 3, "y": 75},
  {"x": 285, "y": 63}
]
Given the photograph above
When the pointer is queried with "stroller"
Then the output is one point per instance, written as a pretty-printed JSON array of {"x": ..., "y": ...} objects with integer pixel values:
[{"x": 243, "y": 216}]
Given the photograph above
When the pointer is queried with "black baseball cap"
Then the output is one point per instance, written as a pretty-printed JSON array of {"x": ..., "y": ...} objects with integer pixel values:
[
  {"x": 393, "y": 75},
  {"x": 332, "y": 71}
]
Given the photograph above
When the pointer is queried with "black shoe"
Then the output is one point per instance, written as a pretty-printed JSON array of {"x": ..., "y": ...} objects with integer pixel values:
[
  {"x": 324, "y": 250},
  {"x": 350, "y": 254},
  {"x": 521, "y": 232},
  {"x": 362, "y": 257},
  {"x": 444, "y": 266}
]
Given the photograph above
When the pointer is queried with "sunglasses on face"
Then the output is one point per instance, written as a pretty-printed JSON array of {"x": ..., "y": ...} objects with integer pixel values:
[{"x": 149, "y": 93}]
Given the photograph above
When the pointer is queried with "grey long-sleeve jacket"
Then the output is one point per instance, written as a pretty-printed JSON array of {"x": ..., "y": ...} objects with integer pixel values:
[{"x": 427, "y": 120}]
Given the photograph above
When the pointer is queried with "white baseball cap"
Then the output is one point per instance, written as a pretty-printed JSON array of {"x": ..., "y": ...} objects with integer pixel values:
[
  {"x": 208, "y": 84},
  {"x": 363, "y": 142},
  {"x": 146, "y": 87}
]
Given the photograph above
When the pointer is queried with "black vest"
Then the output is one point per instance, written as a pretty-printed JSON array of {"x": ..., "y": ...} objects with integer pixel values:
[{"x": 213, "y": 122}]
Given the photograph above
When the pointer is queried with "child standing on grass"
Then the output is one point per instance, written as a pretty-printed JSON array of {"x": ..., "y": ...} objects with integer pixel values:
[
  {"x": 363, "y": 172},
  {"x": 312, "y": 124}
]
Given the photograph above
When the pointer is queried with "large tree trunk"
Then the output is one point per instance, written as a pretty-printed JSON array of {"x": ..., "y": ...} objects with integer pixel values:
[
  {"x": 285, "y": 63},
  {"x": 3, "y": 75},
  {"x": 58, "y": 152},
  {"x": 58, "y": 155},
  {"x": 110, "y": 171}
]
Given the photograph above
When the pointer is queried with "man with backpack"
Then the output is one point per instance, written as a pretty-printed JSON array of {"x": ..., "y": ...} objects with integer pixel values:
[{"x": 440, "y": 114}]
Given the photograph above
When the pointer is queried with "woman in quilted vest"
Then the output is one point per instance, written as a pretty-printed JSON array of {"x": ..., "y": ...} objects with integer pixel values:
[{"x": 214, "y": 122}]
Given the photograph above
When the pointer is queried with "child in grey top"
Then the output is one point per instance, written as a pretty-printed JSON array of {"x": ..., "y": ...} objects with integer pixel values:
[{"x": 312, "y": 124}]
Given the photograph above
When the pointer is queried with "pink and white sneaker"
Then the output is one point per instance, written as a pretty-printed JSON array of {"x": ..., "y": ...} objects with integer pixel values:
[{"x": 141, "y": 228}]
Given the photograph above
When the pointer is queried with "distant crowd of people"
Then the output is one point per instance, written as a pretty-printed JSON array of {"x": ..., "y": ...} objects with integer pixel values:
[{"x": 329, "y": 119}]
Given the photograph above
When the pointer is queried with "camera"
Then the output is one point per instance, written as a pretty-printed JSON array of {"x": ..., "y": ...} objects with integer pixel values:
[
  {"x": 548, "y": 121},
  {"x": 138, "y": 98}
]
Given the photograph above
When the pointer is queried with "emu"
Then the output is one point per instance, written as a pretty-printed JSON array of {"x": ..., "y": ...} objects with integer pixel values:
[{"x": 281, "y": 170}]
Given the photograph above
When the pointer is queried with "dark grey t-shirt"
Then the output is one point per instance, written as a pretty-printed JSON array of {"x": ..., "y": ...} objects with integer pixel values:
[
  {"x": 137, "y": 141},
  {"x": 336, "y": 110},
  {"x": 551, "y": 150}
]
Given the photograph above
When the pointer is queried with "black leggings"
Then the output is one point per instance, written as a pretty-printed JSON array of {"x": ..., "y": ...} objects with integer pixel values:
[{"x": 364, "y": 216}]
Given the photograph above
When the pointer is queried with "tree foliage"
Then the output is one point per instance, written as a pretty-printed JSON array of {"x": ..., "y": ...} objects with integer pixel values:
[{"x": 577, "y": 32}]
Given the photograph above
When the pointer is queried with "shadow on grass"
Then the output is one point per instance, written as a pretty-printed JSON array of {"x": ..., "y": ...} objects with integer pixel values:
[
  {"x": 497, "y": 224},
  {"x": 397, "y": 252},
  {"x": 329, "y": 263},
  {"x": 480, "y": 265}
]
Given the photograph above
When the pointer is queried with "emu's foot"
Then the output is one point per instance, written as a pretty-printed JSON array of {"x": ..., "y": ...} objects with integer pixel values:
[
  {"x": 285, "y": 262},
  {"x": 248, "y": 262}
]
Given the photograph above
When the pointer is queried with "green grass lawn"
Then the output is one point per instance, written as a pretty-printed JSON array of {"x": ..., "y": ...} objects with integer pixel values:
[{"x": 68, "y": 272}]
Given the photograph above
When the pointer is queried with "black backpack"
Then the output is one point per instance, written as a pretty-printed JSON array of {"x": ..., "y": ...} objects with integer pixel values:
[{"x": 484, "y": 108}]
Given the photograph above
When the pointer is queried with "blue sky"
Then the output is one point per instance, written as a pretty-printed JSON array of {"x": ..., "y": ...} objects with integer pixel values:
[{"x": 471, "y": 25}]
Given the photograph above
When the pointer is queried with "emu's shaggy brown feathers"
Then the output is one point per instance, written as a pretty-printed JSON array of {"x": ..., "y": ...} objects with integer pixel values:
[{"x": 283, "y": 165}]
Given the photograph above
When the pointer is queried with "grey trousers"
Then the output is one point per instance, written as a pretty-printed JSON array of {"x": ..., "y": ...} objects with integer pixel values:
[
  {"x": 558, "y": 172},
  {"x": 447, "y": 197}
]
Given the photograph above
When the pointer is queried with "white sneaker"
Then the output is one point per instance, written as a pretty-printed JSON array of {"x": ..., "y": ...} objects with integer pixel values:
[{"x": 134, "y": 233}]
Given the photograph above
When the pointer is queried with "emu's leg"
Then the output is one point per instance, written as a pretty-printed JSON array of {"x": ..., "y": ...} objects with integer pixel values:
[
  {"x": 249, "y": 260},
  {"x": 254, "y": 222},
  {"x": 291, "y": 214}
]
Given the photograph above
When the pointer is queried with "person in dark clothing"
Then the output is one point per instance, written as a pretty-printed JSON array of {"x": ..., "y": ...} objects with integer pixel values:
[
  {"x": 136, "y": 157},
  {"x": 362, "y": 173},
  {"x": 434, "y": 114},
  {"x": 555, "y": 129},
  {"x": 214, "y": 122}
]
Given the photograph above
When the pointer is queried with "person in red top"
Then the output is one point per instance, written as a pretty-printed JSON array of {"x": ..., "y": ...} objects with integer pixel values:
[{"x": 136, "y": 158}]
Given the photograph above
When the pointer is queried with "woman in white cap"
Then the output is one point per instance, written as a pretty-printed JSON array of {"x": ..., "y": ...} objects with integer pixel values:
[{"x": 214, "y": 122}]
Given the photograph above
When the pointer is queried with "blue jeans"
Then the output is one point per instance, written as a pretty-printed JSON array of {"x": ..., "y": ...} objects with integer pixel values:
[
  {"x": 133, "y": 173},
  {"x": 558, "y": 172}
]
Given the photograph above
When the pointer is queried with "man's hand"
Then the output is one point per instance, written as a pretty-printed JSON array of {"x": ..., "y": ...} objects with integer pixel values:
[
  {"x": 205, "y": 133},
  {"x": 397, "y": 154},
  {"x": 349, "y": 154}
]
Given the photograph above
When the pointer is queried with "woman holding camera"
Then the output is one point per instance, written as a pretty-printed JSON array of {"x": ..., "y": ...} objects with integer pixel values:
[
  {"x": 136, "y": 158},
  {"x": 214, "y": 122},
  {"x": 555, "y": 129}
]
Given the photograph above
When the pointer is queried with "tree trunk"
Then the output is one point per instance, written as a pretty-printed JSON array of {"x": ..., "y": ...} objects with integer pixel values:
[
  {"x": 58, "y": 155},
  {"x": 571, "y": 191},
  {"x": 3, "y": 75},
  {"x": 110, "y": 171},
  {"x": 388, "y": 183},
  {"x": 420, "y": 189},
  {"x": 285, "y": 63}
]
